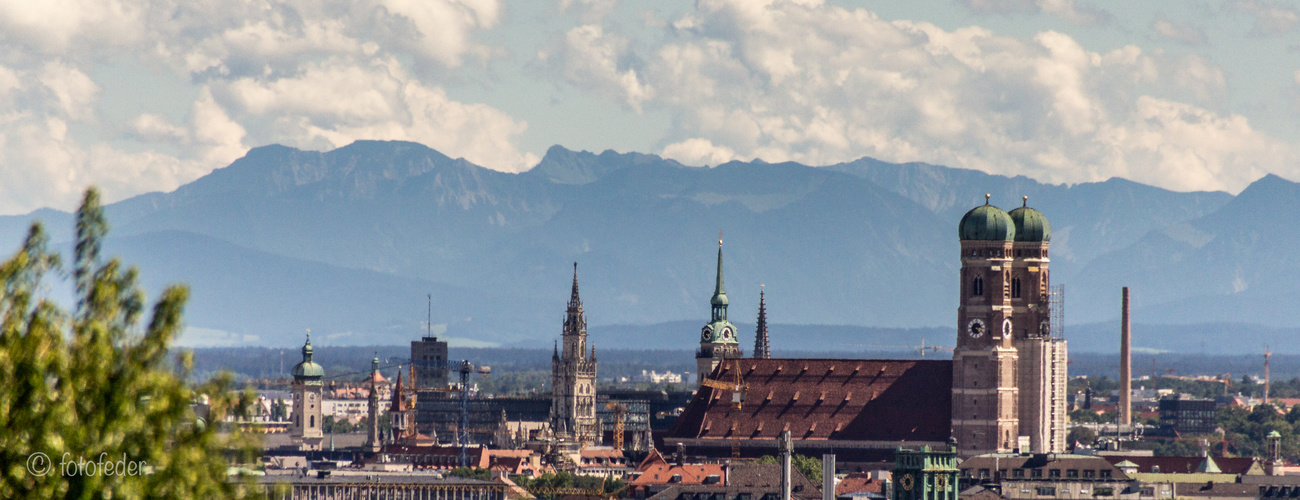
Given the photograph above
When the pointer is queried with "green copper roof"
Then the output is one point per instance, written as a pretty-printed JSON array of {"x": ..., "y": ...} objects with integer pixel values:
[
  {"x": 719, "y": 294},
  {"x": 307, "y": 369},
  {"x": 1209, "y": 466},
  {"x": 719, "y": 330},
  {"x": 1031, "y": 225},
  {"x": 987, "y": 223},
  {"x": 1274, "y": 434}
]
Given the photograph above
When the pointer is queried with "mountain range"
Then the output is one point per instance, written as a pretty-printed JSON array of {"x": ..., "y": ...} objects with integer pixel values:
[{"x": 350, "y": 242}]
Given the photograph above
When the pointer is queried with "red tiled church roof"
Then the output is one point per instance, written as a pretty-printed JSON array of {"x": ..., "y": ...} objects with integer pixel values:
[{"x": 826, "y": 399}]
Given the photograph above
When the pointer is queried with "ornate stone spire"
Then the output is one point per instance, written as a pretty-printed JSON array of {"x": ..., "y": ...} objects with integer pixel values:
[
  {"x": 575, "y": 322},
  {"x": 760, "y": 336},
  {"x": 574, "y": 301}
]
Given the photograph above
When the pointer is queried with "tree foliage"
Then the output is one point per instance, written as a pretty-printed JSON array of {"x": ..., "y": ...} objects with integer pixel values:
[
  {"x": 1081, "y": 435},
  {"x": 810, "y": 467},
  {"x": 96, "y": 384}
]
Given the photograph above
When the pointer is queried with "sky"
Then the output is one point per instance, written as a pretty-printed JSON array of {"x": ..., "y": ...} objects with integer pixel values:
[{"x": 146, "y": 95}]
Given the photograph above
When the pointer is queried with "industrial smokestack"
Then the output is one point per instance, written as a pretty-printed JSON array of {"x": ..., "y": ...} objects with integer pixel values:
[{"x": 1125, "y": 368}]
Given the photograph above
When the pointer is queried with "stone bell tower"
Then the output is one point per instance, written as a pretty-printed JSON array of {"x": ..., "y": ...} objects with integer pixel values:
[
  {"x": 305, "y": 429},
  {"x": 985, "y": 395},
  {"x": 718, "y": 338}
]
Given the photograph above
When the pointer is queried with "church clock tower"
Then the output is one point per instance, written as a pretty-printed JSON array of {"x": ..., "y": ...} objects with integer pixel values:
[
  {"x": 718, "y": 338},
  {"x": 985, "y": 395},
  {"x": 306, "y": 427}
]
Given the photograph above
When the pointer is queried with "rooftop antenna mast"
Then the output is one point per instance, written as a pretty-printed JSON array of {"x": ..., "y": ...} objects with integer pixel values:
[{"x": 428, "y": 323}]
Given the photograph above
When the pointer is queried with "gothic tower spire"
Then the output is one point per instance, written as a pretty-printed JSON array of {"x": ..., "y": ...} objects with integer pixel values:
[
  {"x": 760, "y": 336},
  {"x": 573, "y": 377},
  {"x": 574, "y": 301}
]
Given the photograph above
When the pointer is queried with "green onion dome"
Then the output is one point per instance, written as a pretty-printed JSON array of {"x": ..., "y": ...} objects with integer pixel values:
[
  {"x": 1031, "y": 225},
  {"x": 987, "y": 223},
  {"x": 308, "y": 369}
]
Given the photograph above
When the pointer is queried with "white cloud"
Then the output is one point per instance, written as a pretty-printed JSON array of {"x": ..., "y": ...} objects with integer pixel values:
[
  {"x": 308, "y": 74},
  {"x": 335, "y": 103},
  {"x": 699, "y": 152},
  {"x": 595, "y": 60},
  {"x": 1187, "y": 35},
  {"x": 1270, "y": 18},
  {"x": 1066, "y": 10},
  {"x": 821, "y": 84}
]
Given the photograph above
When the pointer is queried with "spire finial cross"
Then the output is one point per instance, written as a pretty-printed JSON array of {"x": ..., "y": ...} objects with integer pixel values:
[
  {"x": 986, "y": 198},
  {"x": 1024, "y": 201},
  {"x": 719, "y": 238}
]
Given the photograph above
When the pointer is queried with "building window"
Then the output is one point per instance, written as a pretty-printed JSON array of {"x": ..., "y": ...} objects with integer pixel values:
[
  {"x": 1054, "y": 473},
  {"x": 1015, "y": 288},
  {"x": 1036, "y": 473},
  {"x": 977, "y": 287},
  {"x": 1047, "y": 491},
  {"x": 1089, "y": 474},
  {"x": 1103, "y": 492},
  {"x": 1105, "y": 474},
  {"x": 984, "y": 473},
  {"x": 1018, "y": 473},
  {"x": 1072, "y": 474},
  {"x": 313, "y": 417}
]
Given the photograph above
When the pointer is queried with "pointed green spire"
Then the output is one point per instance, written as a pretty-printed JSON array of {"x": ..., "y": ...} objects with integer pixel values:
[{"x": 719, "y": 293}]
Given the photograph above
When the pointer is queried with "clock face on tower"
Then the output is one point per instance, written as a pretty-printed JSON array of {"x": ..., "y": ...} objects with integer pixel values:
[
  {"x": 706, "y": 334},
  {"x": 1006, "y": 327},
  {"x": 907, "y": 482},
  {"x": 311, "y": 397},
  {"x": 975, "y": 328},
  {"x": 726, "y": 334}
]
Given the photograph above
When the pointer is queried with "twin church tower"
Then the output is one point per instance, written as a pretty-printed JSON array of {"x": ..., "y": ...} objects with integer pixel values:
[{"x": 1009, "y": 364}]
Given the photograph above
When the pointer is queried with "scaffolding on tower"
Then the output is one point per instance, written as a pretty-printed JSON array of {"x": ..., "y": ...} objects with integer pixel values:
[{"x": 1056, "y": 308}]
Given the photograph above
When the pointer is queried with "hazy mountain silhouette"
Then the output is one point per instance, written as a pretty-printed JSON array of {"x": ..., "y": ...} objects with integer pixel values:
[{"x": 348, "y": 242}]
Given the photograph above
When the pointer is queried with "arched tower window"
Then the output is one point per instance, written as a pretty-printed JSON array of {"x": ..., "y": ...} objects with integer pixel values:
[
  {"x": 1015, "y": 288},
  {"x": 977, "y": 286},
  {"x": 313, "y": 421}
]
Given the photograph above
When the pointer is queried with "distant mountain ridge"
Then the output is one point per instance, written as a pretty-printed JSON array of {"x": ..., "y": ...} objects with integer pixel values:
[{"x": 864, "y": 243}]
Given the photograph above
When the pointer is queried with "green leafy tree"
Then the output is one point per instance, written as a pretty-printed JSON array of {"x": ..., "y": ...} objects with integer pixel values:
[
  {"x": 279, "y": 411},
  {"x": 1081, "y": 435},
  {"x": 810, "y": 467},
  {"x": 471, "y": 473},
  {"x": 96, "y": 384}
]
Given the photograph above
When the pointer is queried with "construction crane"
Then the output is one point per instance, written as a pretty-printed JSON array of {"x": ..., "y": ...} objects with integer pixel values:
[
  {"x": 737, "y": 387},
  {"x": 464, "y": 368},
  {"x": 619, "y": 412},
  {"x": 920, "y": 349}
]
